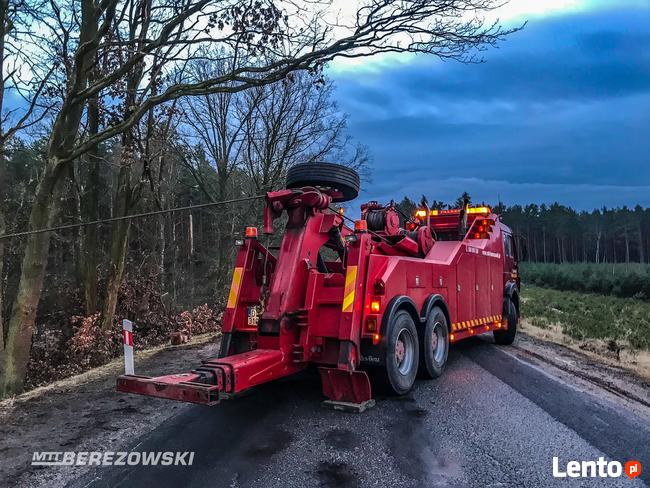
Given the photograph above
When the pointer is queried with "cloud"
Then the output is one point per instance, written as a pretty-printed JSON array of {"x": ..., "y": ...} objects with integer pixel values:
[{"x": 565, "y": 102}]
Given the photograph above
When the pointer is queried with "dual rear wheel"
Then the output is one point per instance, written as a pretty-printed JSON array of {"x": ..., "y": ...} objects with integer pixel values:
[{"x": 408, "y": 353}]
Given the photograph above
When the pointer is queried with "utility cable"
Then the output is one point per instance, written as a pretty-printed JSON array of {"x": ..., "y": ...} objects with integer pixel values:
[{"x": 127, "y": 217}]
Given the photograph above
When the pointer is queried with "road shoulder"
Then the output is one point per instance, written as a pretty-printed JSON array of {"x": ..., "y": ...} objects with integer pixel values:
[{"x": 85, "y": 413}]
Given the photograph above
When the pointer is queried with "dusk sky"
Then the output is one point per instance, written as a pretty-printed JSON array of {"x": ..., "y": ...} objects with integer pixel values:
[{"x": 559, "y": 112}]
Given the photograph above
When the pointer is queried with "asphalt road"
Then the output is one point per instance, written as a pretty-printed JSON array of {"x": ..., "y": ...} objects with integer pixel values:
[{"x": 491, "y": 420}]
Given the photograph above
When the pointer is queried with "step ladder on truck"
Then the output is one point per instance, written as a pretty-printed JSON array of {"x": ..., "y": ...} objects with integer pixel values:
[{"x": 372, "y": 306}]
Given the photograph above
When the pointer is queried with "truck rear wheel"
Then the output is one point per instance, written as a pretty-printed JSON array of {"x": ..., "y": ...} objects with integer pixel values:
[
  {"x": 507, "y": 336},
  {"x": 401, "y": 355},
  {"x": 434, "y": 344}
]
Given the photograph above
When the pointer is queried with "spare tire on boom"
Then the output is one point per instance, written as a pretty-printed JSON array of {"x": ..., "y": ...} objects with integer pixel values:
[{"x": 325, "y": 175}]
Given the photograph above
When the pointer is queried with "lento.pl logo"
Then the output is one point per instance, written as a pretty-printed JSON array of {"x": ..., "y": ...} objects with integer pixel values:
[
  {"x": 112, "y": 458},
  {"x": 596, "y": 469}
]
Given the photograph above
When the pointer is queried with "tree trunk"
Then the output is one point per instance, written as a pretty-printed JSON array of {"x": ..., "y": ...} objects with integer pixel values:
[
  {"x": 119, "y": 241},
  {"x": 3, "y": 229},
  {"x": 90, "y": 205},
  {"x": 162, "y": 250},
  {"x": 14, "y": 360},
  {"x": 175, "y": 277},
  {"x": 4, "y": 4},
  {"x": 224, "y": 236},
  {"x": 119, "y": 245},
  {"x": 641, "y": 249}
]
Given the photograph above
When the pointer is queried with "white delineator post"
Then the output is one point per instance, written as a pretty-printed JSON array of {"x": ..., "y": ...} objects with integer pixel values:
[{"x": 127, "y": 338}]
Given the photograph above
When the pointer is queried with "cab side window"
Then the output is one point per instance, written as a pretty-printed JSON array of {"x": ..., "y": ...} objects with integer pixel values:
[{"x": 507, "y": 243}]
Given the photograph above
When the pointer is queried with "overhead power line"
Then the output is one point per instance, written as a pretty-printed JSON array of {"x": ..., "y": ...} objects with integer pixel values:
[{"x": 127, "y": 217}]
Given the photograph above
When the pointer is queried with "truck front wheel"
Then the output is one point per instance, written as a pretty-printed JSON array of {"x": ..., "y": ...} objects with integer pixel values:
[
  {"x": 401, "y": 354},
  {"x": 507, "y": 336},
  {"x": 434, "y": 344}
]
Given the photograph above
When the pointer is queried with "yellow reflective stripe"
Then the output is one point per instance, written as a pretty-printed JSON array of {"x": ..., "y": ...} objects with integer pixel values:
[
  {"x": 234, "y": 287},
  {"x": 350, "y": 285},
  {"x": 475, "y": 322}
]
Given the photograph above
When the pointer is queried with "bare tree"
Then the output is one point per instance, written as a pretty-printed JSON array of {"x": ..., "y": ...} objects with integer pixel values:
[
  {"x": 274, "y": 38},
  {"x": 259, "y": 133},
  {"x": 294, "y": 121},
  {"x": 21, "y": 79},
  {"x": 214, "y": 123},
  {"x": 215, "y": 127}
]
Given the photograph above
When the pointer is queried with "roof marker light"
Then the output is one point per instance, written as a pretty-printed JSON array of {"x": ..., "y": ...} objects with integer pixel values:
[{"x": 479, "y": 210}]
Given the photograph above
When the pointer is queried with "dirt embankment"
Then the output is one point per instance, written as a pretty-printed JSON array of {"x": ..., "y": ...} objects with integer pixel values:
[
  {"x": 85, "y": 413},
  {"x": 599, "y": 351}
]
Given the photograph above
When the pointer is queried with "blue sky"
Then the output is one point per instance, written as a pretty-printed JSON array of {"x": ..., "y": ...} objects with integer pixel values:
[{"x": 559, "y": 112}]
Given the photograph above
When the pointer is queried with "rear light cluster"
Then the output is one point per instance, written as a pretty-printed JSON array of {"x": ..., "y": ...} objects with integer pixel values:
[
  {"x": 372, "y": 327},
  {"x": 373, "y": 308}
]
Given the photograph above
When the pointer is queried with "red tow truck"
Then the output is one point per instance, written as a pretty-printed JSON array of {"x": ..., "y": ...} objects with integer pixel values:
[{"x": 375, "y": 304}]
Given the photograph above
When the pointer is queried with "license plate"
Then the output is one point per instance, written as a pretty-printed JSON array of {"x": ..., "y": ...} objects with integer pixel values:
[{"x": 253, "y": 316}]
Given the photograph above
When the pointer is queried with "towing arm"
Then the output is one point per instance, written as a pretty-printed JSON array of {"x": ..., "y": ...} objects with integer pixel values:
[{"x": 270, "y": 318}]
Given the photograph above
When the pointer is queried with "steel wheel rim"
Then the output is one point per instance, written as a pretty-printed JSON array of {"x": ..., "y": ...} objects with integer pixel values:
[
  {"x": 439, "y": 342},
  {"x": 404, "y": 351}
]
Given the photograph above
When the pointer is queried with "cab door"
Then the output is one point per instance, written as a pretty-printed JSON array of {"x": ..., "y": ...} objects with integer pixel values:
[{"x": 509, "y": 259}]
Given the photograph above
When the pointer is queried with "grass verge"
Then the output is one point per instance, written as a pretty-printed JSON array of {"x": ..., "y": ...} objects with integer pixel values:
[
  {"x": 625, "y": 322},
  {"x": 611, "y": 330}
]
